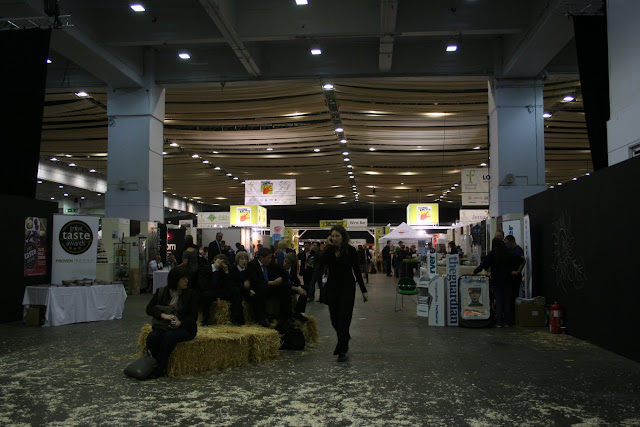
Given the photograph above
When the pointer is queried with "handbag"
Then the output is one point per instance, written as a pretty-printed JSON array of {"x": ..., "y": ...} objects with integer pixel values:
[
  {"x": 163, "y": 323},
  {"x": 142, "y": 367}
]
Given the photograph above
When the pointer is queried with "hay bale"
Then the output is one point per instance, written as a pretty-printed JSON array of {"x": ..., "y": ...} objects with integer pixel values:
[
  {"x": 219, "y": 347},
  {"x": 309, "y": 330}
]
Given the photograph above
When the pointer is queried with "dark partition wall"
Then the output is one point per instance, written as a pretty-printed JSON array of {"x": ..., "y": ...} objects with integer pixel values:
[
  {"x": 21, "y": 230},
  {"x": 585, "y": 241}
]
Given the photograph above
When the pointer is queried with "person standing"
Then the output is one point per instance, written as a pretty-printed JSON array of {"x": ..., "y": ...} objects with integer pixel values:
[
  {"x": 316, "y": 271},
  {"x": 304, "y": 270},
  {"x": 190, "y": 260},
  {"x": 216, "y": 247},
  {"x": 341, "y": 260},
  {"x": 386, "y": 258}
]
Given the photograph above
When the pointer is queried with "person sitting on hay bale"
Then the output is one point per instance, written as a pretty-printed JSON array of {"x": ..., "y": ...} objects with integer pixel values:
[
  {"x": 221, "y": 287},
  {"x": 265, "y": 280},
  {"x": 292, "y": 281},
  {"x": 174, "y": 309}
]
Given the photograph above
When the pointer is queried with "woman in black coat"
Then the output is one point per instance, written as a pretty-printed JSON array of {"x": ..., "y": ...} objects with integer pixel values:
[
  {"x": 183, "y": 321},
  {"x": 344, "y": 270}
]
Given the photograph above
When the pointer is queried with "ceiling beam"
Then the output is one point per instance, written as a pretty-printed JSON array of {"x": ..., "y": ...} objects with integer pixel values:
[
  {"x": 388, "y": 13},
  {"x": 216, "y": 14}
]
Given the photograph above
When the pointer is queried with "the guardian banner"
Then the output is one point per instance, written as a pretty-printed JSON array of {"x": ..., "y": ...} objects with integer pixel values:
[
  {"x": 75, "y": 244},
  {"x": 270, "y": 192},
  {"x": 451, "y": 285}
]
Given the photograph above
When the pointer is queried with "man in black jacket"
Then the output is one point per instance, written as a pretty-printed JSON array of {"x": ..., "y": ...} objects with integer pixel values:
[
  {"x": 266, "y": 281},
  {"x": 216, "y": 247}
]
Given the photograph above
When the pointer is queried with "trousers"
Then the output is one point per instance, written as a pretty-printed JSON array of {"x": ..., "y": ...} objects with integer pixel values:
[
  {"x": 161, "y": 344},
  {"x": 340, "y": 300}
]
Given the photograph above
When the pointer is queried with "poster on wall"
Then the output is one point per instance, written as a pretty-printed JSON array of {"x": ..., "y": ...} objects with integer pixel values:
[
  {"x": 270, "y": 192},
  {"x": 35, "y": 246},
  {"x": 75, "y": 248}
]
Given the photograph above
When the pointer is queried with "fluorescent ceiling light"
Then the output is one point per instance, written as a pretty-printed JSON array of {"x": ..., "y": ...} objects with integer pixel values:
[
  {"x": 174, "y": 144},
  {"x": 92, "y": 170},
  {"x": 229, "y": 174},
  {"x": 82, "y": 197},
  {"x": 39, "y": 182},
  {"x": 547, "y": 115},
  {"x": 435, "y": 114},
  {"x": 137, "y": 8},
  {"x": 346, "y": 159},
  {"x": 477, "y": 147},
  {"x": 317, "y": 150},
  {"x": 568, "y": 98},
  {"x": 452, "y": 47},
  {"x": 269, "y": 149},
  {"x": 53, "y": 198},
  {"x": 217, "y": 168},
  {"x": 483, "y": 164},
  {"x": 82, "y": 94},
  {"x": 345, "y": 153},
  {"x": 53, "y": 159},
  {"x": 68, "y": 155},
  {"x": 164, "y": 153},
  {"x": 66, "y": 194},
  {"x": 316, "y": 52},
  {"x": 195, "y": 156},
  {"x": 344, "y": 141},
  {"x": 184, "y": 55},
  {"x": 327, "y": 86},
  {"x": 206, "y": 162},
  {"x": 339, "y": 129},
  {"x": 72, "y": 164},
  {"x": 372, "y": 149},
  {"x": 302, "y": 2},
  {"x": 60, "y": 186}
]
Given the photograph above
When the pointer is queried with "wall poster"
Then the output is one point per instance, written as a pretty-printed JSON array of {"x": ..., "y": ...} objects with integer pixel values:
[{"x": 35, "y": 246}]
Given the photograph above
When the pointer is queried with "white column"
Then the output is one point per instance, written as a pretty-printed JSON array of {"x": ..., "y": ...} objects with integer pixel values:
[
  {"x": 623, "y": 127},
  {"x": 516, "y": 144},
  {"x": 134, "y": 165}
]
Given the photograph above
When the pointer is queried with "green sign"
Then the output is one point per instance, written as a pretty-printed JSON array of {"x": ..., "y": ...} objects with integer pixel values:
[
  {"x": 72, "y": 210},
  {"x": 328, "y": 223}
]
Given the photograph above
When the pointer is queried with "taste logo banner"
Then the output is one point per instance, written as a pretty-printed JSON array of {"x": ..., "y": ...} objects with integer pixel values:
[
  {"x": 75, "y": 246},
  {"x": 270, "y": 192},
  {"x": 35, "y": 246}
]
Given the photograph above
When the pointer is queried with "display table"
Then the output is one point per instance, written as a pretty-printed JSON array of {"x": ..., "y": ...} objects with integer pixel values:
[
  {"x": 75, "y": 304},
  {"x": 160, "y": 279}
]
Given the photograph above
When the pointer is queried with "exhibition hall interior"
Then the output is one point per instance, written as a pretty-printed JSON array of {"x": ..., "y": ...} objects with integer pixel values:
[{"x": 460, "y": 144}]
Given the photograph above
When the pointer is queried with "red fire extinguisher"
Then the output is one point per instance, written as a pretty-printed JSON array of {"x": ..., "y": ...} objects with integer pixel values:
[{"x": 555, "y": 318}]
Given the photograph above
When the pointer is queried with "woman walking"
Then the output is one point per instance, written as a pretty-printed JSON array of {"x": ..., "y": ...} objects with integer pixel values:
[{"x": 341, "y": 260}]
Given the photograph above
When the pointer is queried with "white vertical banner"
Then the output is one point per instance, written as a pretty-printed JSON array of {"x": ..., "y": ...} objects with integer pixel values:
[
  {"x": 451, "y": 288},
  {"x": 526, "y": 246},
  {"x": 514, "y": 229},
  {"x": 276, "y": 227},
  {"x": 437, "y": 303},
  {"x": 75, "y": 248},
  {"x": 432, "y": 259}
]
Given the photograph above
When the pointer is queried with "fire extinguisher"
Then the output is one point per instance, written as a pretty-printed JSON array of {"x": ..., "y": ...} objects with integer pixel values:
[{"x": 555, "y": 318}]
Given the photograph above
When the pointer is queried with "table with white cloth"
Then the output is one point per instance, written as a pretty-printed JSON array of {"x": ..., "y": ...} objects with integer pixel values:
[
  {"x": 160, "y": 279},
  {"x": 75, "y": 304}
]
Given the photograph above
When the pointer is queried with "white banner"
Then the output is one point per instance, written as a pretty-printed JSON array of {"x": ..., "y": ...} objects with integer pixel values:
[
  {"x": 513, "y": 228},
  {"x": 474, "y": 180},
  {"x": 276, "y": 227},
  {"x": 475, "y": 199},
  {"x": 526, "y": 246},
  {"x": 473, "y": 216},
  {"x": 214, "y": 219},
  {"x": 75, "y": 248},
  {"x": 356, "y": 222},
  {"x": 270, "y": 192},
  {"x": 451, "y": 288},
  {"x": 437, "y": 305}
]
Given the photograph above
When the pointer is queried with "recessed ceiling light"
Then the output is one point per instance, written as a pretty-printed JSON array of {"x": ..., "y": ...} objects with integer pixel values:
[
  {"x": 552, "y": 186},
  {"x": 49, "y": 61},
  {"x": 559, "y": 183},
  {"x": 483, "y": 164},
  {"x": 82, "y": 197},
  {"x": 349, "y": 166},
  {"x": 350, "y": 173},
  {"x": 82, "y": 94},
  {"x": 568, "y": 98},
  {"x": 587, "y": 174},
  {"x": 372, "y": 149},
  {"x": 547, "y": 115},
  {"x": 316, "y": 51},
  {"x": 184, "y": 55},
  {"x": 53, "y": 159},
  {"x": 164, "y": 153},
  {"x": 53, "y": 198},
  {"x": 164, "y": 191},
  {"x": 206, "y": 162},
  {"x": 451, "y": 47},
  {"x": 39, "y": 182},
  {"x": 402, "y": 183},
  {"x": 137, "y": 8},
  {"x": 345, "y": 153},
  {"x": 174, "y": 144},
  {"x": 327, "y": 86},
  {"x": 173, "y": 194},
  {"x": 477, "y": 147},
  {"x": 269, "y": 149},
  {"x": 229, "y": 174},
  {"x": 346, "y": 159},
  {"x": 339, "y": 129},
  {"x": 66, "y": 194},
  {"x": 344, "y": 141},
  {"x": 195, "y": 156},
  {"x": 68, "y": 155},
  {"x": 317, "y": 150},
  {"x": 92, "y": 170},
  {"x": 60, "y": 186},
  {"x": 235, "y": 177},
  {"x": 72, "y": 164},
  {"x": 215, "y": 152},
  {"x": 217, "y": 168}
]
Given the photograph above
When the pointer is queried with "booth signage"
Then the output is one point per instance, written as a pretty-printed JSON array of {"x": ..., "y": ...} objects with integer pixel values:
[
  {"x": 356, "y": 222},
  {"x": 422, "y": 214},
  {"x": 475, "y": 180},
  {"x": 185, "y": 222},
  {"x": 432, "y": 264},
  {"x": 473, "y": 216},
  {"x": 270, "y": 192},
  {"x": 453, "y": 273},
  {"x": 514, "y": 229},
  {"x": 475, "y": 199},
  {"x": 248, "y": 216},
  {"x": 35, "y": 246},
  {"x": 214, "y": 219},
  {"x": 75, "y": 248},
  {"x": 276, "y": 230},
  {"x": 437, "y": 303},
  {"x": 328, "y": 223}
]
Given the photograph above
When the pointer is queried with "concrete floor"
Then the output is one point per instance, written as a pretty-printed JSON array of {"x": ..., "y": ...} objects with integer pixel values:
[{"x": 401, "y": 372}]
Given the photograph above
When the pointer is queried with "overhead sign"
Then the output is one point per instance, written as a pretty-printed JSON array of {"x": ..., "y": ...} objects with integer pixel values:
[
  {"x": 270, "y": 192},
  {"x": 422, "y": 214},
  {"x": 475, "y": 185},
  {"x": 214, "y": 219},
  {"x": 248, "y": 216},
  {"x": 473, "y": 216},
  {"x": 75, "y": 248},
  {"x": 356, "y": 222},
  {"x": 328, "y": 223},
  {"x": 475, "y": 199}
]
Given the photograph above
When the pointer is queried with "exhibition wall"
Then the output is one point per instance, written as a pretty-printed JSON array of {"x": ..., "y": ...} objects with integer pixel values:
[{"x": 584, "y": 238}]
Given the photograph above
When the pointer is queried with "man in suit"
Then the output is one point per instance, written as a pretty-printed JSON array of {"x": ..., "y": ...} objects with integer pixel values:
[
  {"x": 216, "y": 247},
  {"x": 386, "y": 258},
  {"x": 266, "y": 281},
  {"x": 306, "y": 271}
]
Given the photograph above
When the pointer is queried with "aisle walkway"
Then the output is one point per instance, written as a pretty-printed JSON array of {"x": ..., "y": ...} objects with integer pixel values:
[{"x": 401, "y": 372}]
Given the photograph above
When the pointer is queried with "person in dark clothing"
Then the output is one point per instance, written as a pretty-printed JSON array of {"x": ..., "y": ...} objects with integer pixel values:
[
  {"x": 400, "y": 255},
  {"x": 504, "y": 265},
  {"x": 513, "y": 247},
  {"x": 306, "y": 271},
  {"x": 316, "y": 271},
  {"x": 386, "y": 258},
  {"x": 183, "y": 327},
  {"x": 362, "y": 261},
  {"x": 216, "y": 247},
  {"x": 190, "y": 260},
  {"x": 291, "y": 281},
  {"x": 341, "y": 260},
  {"x": 219, "y": 288},
  {"x": 265, "y": 281}
]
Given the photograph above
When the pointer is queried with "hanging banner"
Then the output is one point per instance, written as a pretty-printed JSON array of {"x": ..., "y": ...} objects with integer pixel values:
[
  {"x": 35, "y": 246},
  {"x": 473, "y": 216},
  {"x": 475, "y": 185},
  {"x": 475, "y": 199},
  {"x": 276, "y": 228},
  {"x": 422, "y": 214},
  {"x": 526, "y": 246},
  {"x": 451, "y": 285},
  {"x": 214, "y": 219},
  {"x": 75, "y": 248},
  {"x": 328, "y": 223},
  {"x": 356, "y": 222},
  {"x": 248, "y": 216},
  {"x": 270, "y": 192}
]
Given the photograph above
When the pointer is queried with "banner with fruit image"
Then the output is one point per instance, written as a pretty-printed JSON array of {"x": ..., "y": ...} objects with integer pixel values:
[
  {"x": 248, "y": 216},
  {"x": 35, "y": 246},
  {"x": 422, "y": 214},
  {"x": 270, "y": 192}
]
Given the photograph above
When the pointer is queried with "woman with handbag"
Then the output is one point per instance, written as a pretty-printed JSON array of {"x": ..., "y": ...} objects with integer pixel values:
[
  {"x": 174, "y": 309},
  {"x": 341, "y": 260}
]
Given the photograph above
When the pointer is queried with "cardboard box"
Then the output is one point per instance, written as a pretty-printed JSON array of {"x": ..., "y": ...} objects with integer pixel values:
[
  {"x": 530, "y": 315},
  {"x": 35, "y": 315}
]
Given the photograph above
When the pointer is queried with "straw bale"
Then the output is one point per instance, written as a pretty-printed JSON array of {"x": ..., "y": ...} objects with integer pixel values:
[{"x": 309, "y": 330}]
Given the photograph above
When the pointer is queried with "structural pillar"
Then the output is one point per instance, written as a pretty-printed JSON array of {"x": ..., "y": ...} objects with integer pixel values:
[
  {"x": 134, "y": 165},
  {"x": 516, "y": 144}
]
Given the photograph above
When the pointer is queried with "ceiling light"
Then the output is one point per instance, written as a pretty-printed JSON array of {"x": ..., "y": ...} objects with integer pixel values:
[
  {"x": 435, "y": 114},
  {"x": 575, "y": 179},
  {"x": 60, "y": 186},
  {"x": 559, "y": 183},
  {"x": 72, "y": 164},
  {"x": 214, "y": 152},
  {"x": 206, "y": 162},
  {"x": 53, "y": 159},
  {"x": 164, "y": 191},
  {"x": 49, "y": 61},
  {"x": 327, "y": 86},
  {"x": 568, "y": 98},
  {"x": 269, "y": 149},
  {"x": 82, "y": 197},
  {"x": 483, "y": 164},
  {"x": 173, "y": 194},
  {"x": 235, "y": 177},
  {"x": 477, "y": 147},
  {"x": 174, "y": 144},
  {"x": 229, "y": 174},
  {"x": 553, "y": 186},
  {"x": 217, "y": 168},
  {"x": 68, "y": 155},
  {"x": 82, "y": 94},
  {"x": 66, "y": 194},
  {"x": 452, "y": 47},
  {"x": 164, "y": 153},
  {"x": 184, "y": 55},
  {"x": 402, "y": 183},
  {"x": 195, "y": 156},
  {"x": 53, "y": 198},
  {"x": 317, "y": 150},
  {"x": 344, "y": 141},
  {"x": 350, "y": 173},
  {"x": 349, "y": 166},
  {"x": 372, "y": 149},
  {"x": 547, "y": 115},
  {"x": 455, "y": 185},
  {"x": 99, "y": 194},
  {"x": 316, "y": 51},
  {"x": 346, "y": 159},
  {"x": 587, "y": 174},
  {"x": 339, "y": 129},
  {"x": 314, "y": 198},
  {"x": 92, "y": 170},
  {"x": 39, "y": 182},
  {"x": 137, "y": 8},
  {"x": 345, "y": 153}
]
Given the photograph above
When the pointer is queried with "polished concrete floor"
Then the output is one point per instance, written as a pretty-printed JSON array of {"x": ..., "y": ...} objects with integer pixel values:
[{"x": 400, "y": 372}]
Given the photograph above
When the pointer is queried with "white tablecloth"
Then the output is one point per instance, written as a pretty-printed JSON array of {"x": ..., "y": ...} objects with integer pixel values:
[
  {"x": 75, "y": 304},
  {"x": 159, "y": 279}
]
